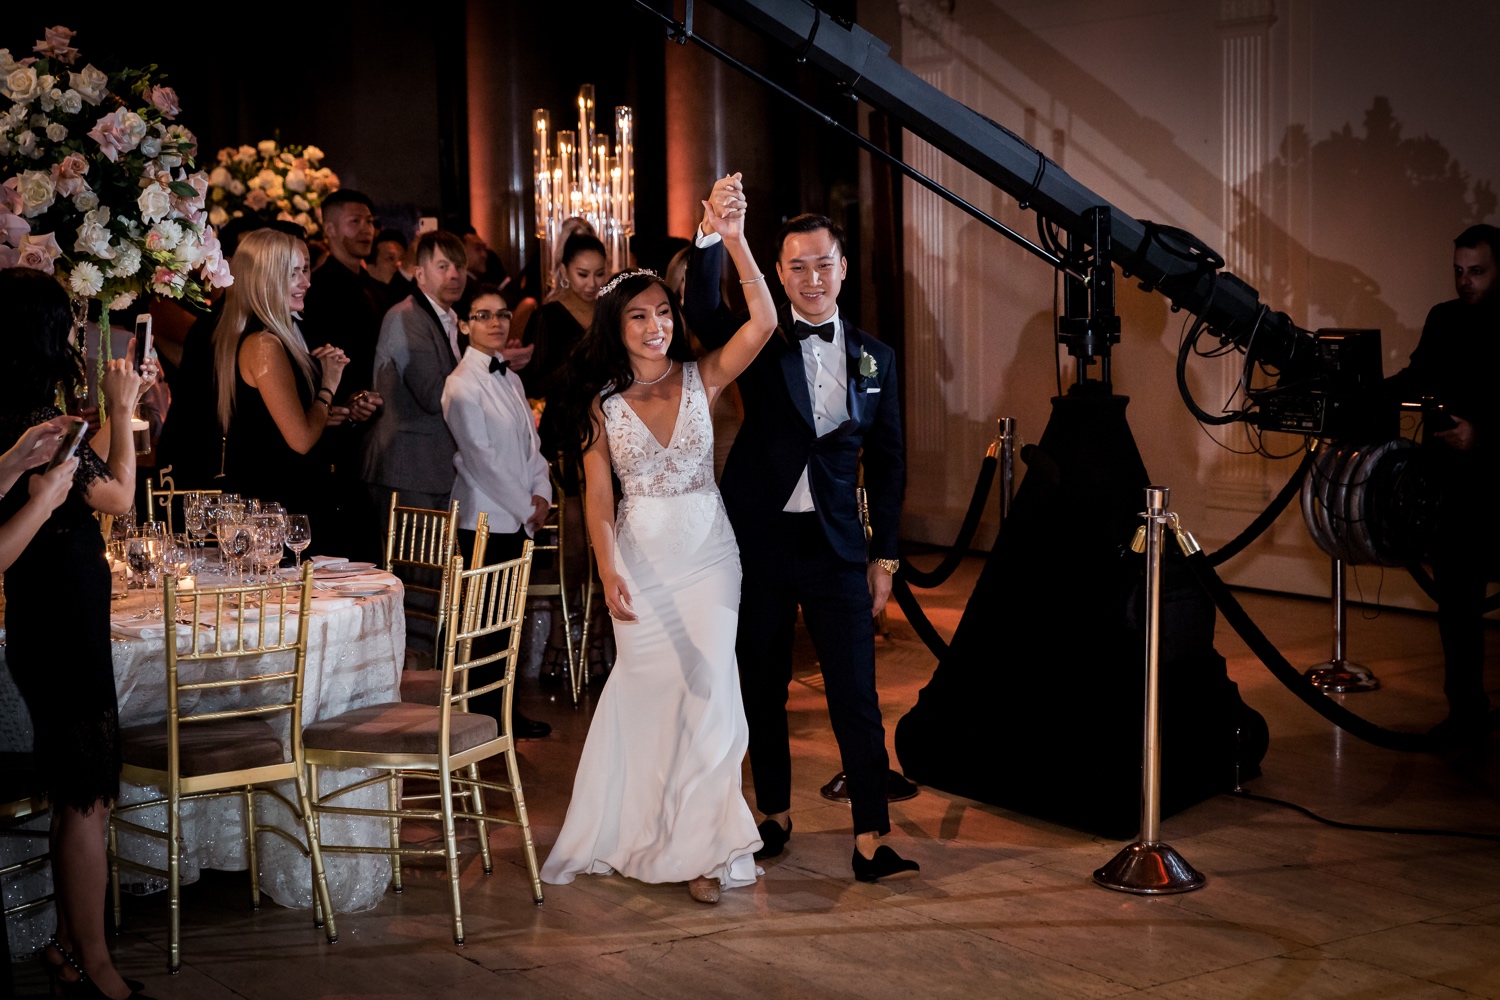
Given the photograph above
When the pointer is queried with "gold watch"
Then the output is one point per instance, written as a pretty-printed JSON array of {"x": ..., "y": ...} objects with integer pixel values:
[{"x": 889, "y": 565}]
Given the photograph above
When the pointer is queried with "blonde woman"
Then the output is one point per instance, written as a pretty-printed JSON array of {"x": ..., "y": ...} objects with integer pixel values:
[{"x": 275, "y": 398}]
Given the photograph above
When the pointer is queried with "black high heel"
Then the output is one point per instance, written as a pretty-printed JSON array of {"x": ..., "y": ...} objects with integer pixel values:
[
  {"x": 85, "y": 989},
  {"x": 54, "y": 971}
]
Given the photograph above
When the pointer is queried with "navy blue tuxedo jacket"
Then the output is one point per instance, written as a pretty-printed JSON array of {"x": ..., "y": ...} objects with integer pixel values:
[{"x": 778, "y": 439}]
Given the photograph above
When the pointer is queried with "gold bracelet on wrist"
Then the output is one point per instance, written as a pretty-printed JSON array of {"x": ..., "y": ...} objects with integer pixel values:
[{"x": 889, "y": 565}]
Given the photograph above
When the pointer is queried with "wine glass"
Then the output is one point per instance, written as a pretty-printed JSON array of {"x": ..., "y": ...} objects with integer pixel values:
[
  {"x": 195, "y": 519},
  {"x": 177, "y": 555},
  {"x": 226, "y": 515},
  {"x": 268, "y": 536},
  {"x": 143, "y": 553},
  {"x": 298, "y": 535},
  {"x": 236, "y": 539}
]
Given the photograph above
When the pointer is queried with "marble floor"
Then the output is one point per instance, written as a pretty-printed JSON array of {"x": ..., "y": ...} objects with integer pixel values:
[{"x": 1004, "y": 907}]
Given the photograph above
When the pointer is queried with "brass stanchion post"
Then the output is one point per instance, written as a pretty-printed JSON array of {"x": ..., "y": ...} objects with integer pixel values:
[{"x": 1148, "y": 866}]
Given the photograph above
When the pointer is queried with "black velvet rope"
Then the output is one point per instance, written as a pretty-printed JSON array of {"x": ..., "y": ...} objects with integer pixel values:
[
  {"x": 938, "y": 576},
  {"x": 1229, "y": 606},
  {"x": 907, "y": 601},
  {"x": 1266, "y": 517}
]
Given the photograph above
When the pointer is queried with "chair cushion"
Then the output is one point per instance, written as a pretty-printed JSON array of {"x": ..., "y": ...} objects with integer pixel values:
[
  {"x": 398, "y": 727},
  {"x": 421, "y": 687},
  {"x": 207, "y": 747}
]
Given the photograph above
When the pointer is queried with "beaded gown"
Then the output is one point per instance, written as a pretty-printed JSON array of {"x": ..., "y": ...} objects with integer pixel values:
[{"x": 657, "y": 794}]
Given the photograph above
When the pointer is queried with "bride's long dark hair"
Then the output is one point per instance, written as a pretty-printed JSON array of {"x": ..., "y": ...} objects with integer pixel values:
[{"x": 600, "y": 366}]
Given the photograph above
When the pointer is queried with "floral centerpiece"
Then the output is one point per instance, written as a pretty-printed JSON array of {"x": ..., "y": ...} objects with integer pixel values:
[
  {"x": 272, "y": 181},
  {"x": 96, "y": 182}
]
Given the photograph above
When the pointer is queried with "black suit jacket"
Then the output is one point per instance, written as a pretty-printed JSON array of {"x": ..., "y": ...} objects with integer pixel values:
[
  {"x": 778, "y": 439},
  {"x": 344, "y": 309}
]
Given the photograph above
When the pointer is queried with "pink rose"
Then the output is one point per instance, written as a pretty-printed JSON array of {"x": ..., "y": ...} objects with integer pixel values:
[
  {"x": 256, "y": 200},
  {"x": 112, "y": 135},
  {"x": 10, "y": 197},
  {"x": 38, "y": 253},
  {"x": 57, "y": 44},
  {"x": 13, "y": 228},
  {"x": 68, "y": 175},
  {"x": 164, "y": 99}
]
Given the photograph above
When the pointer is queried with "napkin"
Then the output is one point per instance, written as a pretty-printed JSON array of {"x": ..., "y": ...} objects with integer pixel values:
[
  {"x": 322, "y": 562},
  {"x": 144, "y": 629}
]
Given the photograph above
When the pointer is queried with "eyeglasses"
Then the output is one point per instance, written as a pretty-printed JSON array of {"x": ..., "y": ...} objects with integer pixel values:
[{"x": 484, "y": 315}]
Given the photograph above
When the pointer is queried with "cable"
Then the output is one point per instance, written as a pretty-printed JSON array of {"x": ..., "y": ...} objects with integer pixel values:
[{"x": 1415, "y": 831}]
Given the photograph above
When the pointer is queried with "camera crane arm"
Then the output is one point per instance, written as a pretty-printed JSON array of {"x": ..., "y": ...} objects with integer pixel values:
[{"x": 1170, "y": 261}]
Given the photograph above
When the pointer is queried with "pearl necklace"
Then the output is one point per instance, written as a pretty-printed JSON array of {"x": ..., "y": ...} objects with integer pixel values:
[{"x": 659, "y": 377}]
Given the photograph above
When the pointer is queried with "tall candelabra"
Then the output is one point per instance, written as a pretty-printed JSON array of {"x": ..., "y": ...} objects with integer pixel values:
[{"x": 583, "y": 176}]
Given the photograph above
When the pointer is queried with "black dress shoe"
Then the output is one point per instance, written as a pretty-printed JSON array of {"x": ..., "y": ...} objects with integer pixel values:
[
  {"x": 885, "y": 864},
  {"x": 773, "y": 838},
  {"x": 523, "y": 728}
]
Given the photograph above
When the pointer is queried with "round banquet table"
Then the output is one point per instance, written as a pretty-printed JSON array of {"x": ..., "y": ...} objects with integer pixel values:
[{"x": 355, "y": 650}]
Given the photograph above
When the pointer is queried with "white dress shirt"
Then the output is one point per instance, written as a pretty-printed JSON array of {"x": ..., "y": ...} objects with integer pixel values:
[
  {"x": 499, "y": 461},
  {"x": 449, "y": 319}
]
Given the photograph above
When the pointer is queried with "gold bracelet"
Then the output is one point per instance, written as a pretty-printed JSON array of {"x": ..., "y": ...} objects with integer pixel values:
[
  {"x": 751, "y": 281},
  {"x": 889, "y": 565}
]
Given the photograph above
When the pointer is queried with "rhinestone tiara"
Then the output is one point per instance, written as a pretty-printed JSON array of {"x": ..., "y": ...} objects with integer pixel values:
[{"x": 626, "y": 274}]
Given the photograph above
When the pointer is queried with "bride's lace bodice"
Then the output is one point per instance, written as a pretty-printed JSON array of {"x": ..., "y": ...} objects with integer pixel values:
[{"x": 685, "y": 465}]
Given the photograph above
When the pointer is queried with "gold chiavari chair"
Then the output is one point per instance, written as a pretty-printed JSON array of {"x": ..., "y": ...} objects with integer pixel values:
[
  {"x": 443, "y": 742},
  {"x": 164, "y": 495},
  {"x": 419, "y": 545},
  {"x": 237, "y": 639},
  {"x": 424, "y": 687},
  {"x": 555, "y": 585}
]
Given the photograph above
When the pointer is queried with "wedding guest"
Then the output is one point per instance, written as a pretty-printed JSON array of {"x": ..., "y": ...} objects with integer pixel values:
[
  {"x": 344, "y": 307},
  {"x": 57, "y": 612},
  {"x": 192, "y": 442},
  {"x": 408, "y": 449},
  {"x": 45, "y": 491},
  {"x": 499, "y": 466},
  {"x": 556, "y": 327},
  {"x": 275, "y": 397},
  {"x": 387, "y": 265},
  {"x": 484, "y": 263}
]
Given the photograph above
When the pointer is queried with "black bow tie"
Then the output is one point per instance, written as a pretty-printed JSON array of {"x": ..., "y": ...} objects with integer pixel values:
[
  {"x": 801, "y": 331},
  {"x": 496, "y": 365}
]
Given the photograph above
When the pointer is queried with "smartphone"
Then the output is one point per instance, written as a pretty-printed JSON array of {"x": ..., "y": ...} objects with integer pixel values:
[
  {"x": 1435, "y": 416},
  {"x": 142, "y": 340},
  {"x": 427, "y": 224},
  {"x": 69, "y": 444}
]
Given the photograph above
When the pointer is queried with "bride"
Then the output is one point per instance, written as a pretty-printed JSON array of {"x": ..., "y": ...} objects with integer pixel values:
[{"x": 657, "y": 795}]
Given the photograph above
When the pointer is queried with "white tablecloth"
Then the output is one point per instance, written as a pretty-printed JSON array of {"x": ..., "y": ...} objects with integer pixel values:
[{"x": 354, "y": 658}]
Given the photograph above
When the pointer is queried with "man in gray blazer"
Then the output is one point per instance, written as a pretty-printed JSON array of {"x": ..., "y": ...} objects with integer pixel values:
[{"x": 408, "y": 450}]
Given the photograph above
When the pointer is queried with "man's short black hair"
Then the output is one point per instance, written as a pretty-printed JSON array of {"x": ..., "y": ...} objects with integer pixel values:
[
  {"x": 809, "y": 222},
  {"x": 474, "y": 292},
  {"x": 1483, "y": 234},
  {"x": 336, "y": 201},
  {"x": 390, "y": 236}
]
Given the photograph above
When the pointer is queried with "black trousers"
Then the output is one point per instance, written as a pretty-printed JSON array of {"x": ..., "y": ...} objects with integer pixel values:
[
  {"x": 799, "y": 568},
  {"x": 1464, "y": 557},
  {"x": 500, "y": 548}
]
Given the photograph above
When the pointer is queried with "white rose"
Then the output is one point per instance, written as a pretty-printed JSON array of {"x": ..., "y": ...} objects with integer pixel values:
[
  {"x": 170, "y": 160},
  {"x": 313, "y": 154},
  {"x": 6, "y": 62},
  {"x": 274, "y": 188},
  {"x": 301, "y": 204},
  {"x": 48, "y": 98},
  {"x": 237, "y": 188},
  {"x": 134, "y": 127},
  {"x": 92, "y": 85},
  {"x": 122, "y": 302},
  {"x": 150, "y": 147},
  {"x": 21, "y": 85},
  {"x": 15, "y": 116},
  {"x": 86, "y": 280},
  {"x": 37, "y": 190},
  {"x": 127, "y": 259},
  {"x": 72, "y": 101},
  {"x": 26, "y": 143},
  {"x": 155, "y": 203},
  {"x": 44, "y": 82},
  {"x": 296, "y": 180},
  {"x": 85, "y": 200},
  {"x": 217, "y": 216},
  {"x": 220, "y": 177},
  {"x": 57, "y": 132},
  {"x": 266, "y": 147},
  {"x": 306, "y": 222},
  {"x": 93, "y": 235}
]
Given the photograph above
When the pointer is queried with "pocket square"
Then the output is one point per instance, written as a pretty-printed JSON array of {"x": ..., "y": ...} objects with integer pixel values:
[{"x": 871, "y": 389}]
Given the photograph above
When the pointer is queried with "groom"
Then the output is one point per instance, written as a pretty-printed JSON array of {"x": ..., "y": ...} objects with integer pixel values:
[{"x": 821, "y": 393}]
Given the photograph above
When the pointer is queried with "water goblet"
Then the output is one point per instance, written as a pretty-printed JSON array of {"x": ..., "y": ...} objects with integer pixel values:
[{"x": 298, "y": 535}]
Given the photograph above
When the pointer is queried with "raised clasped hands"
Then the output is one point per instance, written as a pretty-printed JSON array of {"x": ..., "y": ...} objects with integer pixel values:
[
  {"x": 518, "y": 355},
  {"x": 724, "y": 211},
  {"x": 334, "y": 361}
]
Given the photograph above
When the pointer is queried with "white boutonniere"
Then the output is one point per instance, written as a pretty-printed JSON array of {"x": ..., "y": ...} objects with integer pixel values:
[{"x": 867, "y": 366}]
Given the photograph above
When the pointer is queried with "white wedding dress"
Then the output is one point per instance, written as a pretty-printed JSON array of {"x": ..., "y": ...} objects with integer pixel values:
[{"x": 657, "y": 795}]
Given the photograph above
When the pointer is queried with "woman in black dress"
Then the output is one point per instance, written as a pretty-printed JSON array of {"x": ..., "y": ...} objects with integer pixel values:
[
  {"x": 275, "y": 398},
  {"x": 57, "y": 611},
  {"x": 556, "y": 327}
]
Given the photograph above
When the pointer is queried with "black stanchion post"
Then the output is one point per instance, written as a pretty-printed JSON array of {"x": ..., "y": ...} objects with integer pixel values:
[{"x": 1149, "y": 867}]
